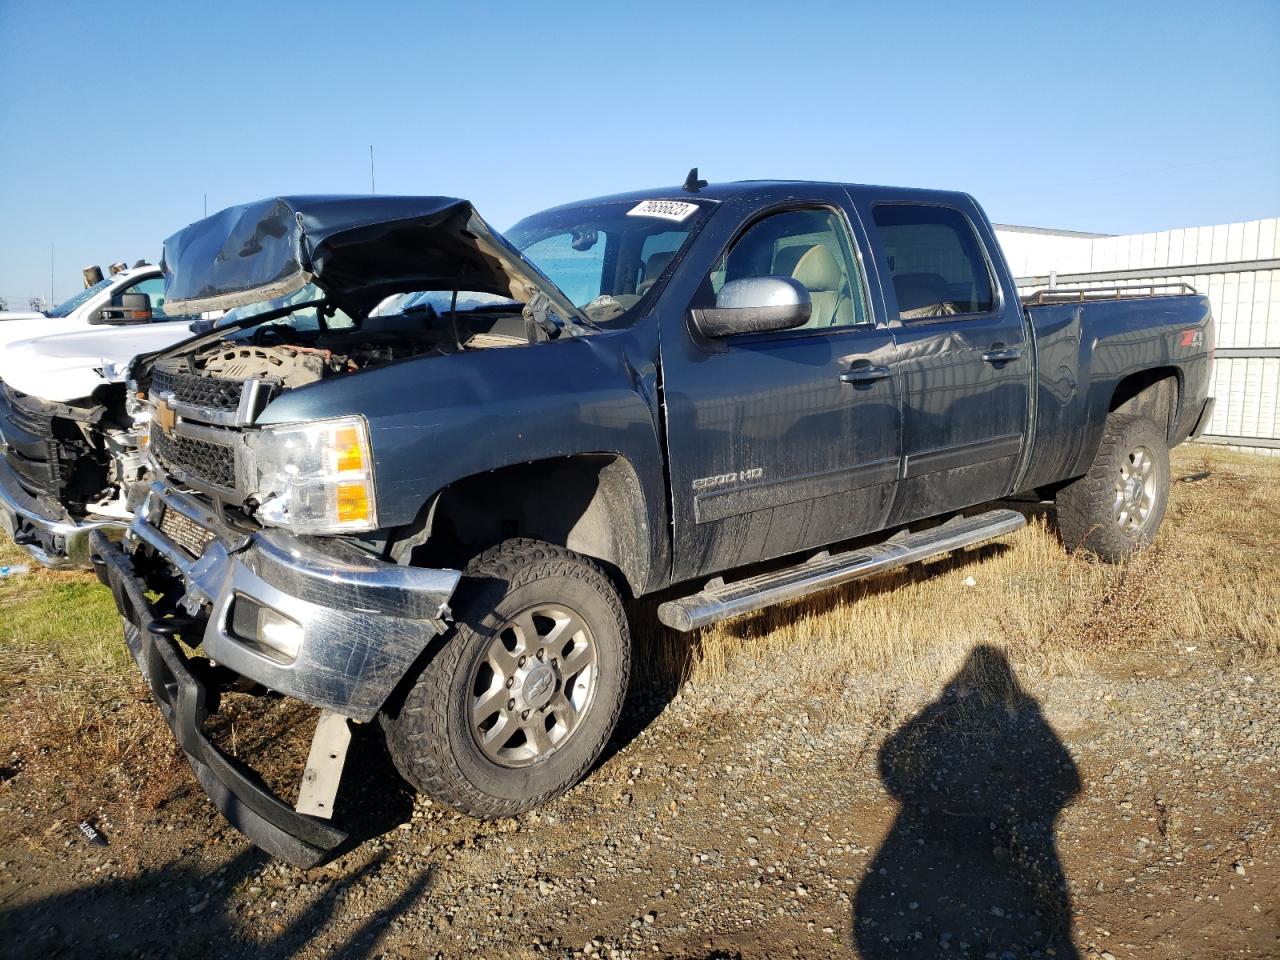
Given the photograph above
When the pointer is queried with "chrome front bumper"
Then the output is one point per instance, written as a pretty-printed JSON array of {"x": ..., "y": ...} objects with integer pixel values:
[
  {"x": 55, "y": 541},
  {"x": 186, "y": 690},
  {"x": 363, "y": 621}
]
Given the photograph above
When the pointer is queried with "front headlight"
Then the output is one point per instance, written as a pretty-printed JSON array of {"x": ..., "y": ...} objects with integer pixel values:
[
  {"x": 136, "y": 404},
  {"x": 314, "y": 477},
  {"x": 115, "y": 371}
]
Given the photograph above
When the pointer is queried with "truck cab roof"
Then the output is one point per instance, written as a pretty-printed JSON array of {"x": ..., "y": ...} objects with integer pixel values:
[{"x": 767, "y": 191}]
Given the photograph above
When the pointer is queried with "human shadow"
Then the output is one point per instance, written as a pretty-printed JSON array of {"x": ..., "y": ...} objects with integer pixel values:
[{"x": 970, "y": 866}]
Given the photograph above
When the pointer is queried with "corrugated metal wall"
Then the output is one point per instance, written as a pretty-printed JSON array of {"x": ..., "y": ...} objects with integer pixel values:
[{"x": 1237, "y": 265}]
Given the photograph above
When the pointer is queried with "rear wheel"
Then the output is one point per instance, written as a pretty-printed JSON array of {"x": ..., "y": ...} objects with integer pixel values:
[
  {"x": 524, "y": 693},
  {"x": 1116, "y": 508}
]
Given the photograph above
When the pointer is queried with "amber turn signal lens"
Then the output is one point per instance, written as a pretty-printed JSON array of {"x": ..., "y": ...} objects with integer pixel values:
[
  {"x": 353, "y": 501},
  {"x": 349, "y": 450}
]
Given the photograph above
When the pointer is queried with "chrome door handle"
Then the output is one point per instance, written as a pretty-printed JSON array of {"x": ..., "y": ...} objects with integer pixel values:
[
  {"x": 1002, "y": 355},
  {"x": 861, "y": 375}
]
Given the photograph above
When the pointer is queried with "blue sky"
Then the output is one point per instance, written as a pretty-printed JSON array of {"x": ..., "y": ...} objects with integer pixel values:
[{"x": 117, "y": 119}]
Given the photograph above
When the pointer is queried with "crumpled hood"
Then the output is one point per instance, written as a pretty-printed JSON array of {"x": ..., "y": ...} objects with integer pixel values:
[
  {"x": 358, "y": 249},
  {"x": 66, "y": 367}
]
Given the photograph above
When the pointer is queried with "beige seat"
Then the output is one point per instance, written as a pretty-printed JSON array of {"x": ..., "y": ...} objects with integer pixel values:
[
  {"x": 653, "y": 268},
  {"x": 819, "y": 273}
]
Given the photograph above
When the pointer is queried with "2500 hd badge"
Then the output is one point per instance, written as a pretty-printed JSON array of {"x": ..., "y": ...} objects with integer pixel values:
[{"x": 726, "y": 479}]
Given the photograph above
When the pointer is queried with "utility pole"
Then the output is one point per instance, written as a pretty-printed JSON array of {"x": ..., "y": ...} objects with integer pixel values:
[
  {"x": 51, "y": 276},
  {"x": 372, "y": 188},
  {"x": 206, "y": 204}
]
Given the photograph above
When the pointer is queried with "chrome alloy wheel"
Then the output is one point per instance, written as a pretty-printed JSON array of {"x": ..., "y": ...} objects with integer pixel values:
[
  {"x": 1135, "y": 490},
  {"x": 534, "y": 685}
]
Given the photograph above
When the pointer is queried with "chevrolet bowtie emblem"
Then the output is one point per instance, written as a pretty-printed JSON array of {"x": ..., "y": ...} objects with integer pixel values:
[{"x": 165, "y": 417}]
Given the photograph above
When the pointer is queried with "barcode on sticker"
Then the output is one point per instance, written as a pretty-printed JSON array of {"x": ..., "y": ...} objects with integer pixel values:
[{"x": 676, "y": 210}]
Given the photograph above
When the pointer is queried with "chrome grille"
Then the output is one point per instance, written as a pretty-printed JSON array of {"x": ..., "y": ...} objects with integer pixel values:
[
  {"x": 203, "y": 461},
  {"x": 185, "y": 532},
  {"x": 215, "y": 393}
]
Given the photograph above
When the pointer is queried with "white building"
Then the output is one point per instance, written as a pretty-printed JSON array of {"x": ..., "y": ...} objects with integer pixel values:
[{"x": 1237, "y": 265}]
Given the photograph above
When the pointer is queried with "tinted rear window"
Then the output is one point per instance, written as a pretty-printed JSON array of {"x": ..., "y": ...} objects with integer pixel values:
[{"x": 935, "y": 259}]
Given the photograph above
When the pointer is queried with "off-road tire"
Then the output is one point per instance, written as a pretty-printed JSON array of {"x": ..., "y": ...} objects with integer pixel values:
[
  {"x": 428, "y": 726},
  {"x": 1085, "y": 507}
]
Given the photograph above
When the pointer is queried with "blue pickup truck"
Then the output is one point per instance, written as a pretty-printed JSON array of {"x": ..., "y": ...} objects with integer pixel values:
[{"x": 419, "y": 472}]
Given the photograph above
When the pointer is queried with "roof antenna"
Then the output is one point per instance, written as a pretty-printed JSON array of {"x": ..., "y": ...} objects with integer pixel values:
[{"x": 691, "y": 183}]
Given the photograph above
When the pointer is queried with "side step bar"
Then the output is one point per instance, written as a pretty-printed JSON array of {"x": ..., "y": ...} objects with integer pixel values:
[{"x": 720, "y": 601}]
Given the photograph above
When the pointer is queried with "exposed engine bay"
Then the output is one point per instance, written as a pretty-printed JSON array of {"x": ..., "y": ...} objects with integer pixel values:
[
  {"x": 200, "y": 395},
  {"x": 293, "y": 357}
]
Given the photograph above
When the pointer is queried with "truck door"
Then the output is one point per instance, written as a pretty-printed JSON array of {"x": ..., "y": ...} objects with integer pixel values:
[
  {"x": 964, "y": 362},
  {"x": 784, "y": 441}
]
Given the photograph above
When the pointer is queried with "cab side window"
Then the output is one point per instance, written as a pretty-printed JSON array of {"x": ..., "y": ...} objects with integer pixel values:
[
  {"x": 811, "y": 246},
  {"x": 935, "y": 259}
]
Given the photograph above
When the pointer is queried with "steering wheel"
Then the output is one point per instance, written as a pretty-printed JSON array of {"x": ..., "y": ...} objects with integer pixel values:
[{"x": 268, "y": 335}]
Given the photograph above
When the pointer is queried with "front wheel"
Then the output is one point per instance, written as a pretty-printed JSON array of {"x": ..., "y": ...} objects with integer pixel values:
[
  {"x": 1115, "y": 509},
  {"x": 521, "y": 698}
]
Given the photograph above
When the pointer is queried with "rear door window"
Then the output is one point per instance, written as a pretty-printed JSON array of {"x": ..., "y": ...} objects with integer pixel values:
[{"x": 936, "y": 261}]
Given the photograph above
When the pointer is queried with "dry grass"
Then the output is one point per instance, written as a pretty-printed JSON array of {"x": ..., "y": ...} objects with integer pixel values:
[
  {"x": 75, "y": 718},
  {"x": 1212, "y": 579}
]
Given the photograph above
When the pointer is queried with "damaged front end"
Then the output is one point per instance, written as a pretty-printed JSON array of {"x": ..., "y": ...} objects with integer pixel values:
[
  {"x": 67, "y": 469},
  {"x": 269, "y": 608},
  {"x": 256, "y": 560},
  {"x": 308, "y": 618}
]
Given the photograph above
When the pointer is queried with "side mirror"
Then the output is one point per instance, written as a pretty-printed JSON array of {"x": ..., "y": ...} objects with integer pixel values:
[
  {"x": 755, "y": 305},
  {"x": 127, "y": 308}
]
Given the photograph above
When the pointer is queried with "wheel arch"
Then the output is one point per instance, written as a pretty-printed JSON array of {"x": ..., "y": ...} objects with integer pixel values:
[
  {"x": 593, "y": 504},
  {"x": 1155, "y": 393}
]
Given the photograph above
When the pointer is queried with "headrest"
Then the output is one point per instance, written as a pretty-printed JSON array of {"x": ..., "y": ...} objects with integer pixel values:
[
  {"x": 656, "y": 263},
  {"x": 814, "y": 267},
  {"x": 916, "y": 290}
]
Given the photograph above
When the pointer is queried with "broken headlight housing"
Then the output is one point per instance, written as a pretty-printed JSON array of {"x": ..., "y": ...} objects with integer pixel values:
[{"x": 313, "y": 478}]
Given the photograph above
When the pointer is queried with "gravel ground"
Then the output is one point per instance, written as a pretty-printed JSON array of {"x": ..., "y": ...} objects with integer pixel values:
[{"x": 1127, "y": 811}]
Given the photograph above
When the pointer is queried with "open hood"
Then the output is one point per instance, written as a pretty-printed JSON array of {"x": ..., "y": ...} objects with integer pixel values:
[{"x": 357, "y": 249}]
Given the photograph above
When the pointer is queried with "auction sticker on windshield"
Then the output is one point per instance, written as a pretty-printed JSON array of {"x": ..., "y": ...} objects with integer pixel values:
[{"x": 676, "y": 210}]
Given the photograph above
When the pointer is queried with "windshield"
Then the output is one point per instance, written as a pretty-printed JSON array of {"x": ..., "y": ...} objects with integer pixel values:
[
  {"x": 606, "y": 257},
  {"x": 307, "y": 317},
  {"x": 67, "y": 307},
  {"x": 440, "y": 302}
]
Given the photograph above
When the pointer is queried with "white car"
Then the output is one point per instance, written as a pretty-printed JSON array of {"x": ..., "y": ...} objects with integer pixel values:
[
  {"x": 86, "y": 309},
  {"x": 69, "y": 461}
]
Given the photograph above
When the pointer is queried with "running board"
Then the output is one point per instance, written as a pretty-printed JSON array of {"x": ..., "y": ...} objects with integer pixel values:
[{"x": 720, "y": 601}]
